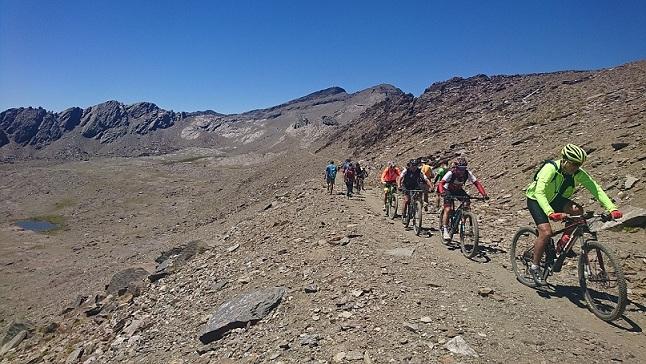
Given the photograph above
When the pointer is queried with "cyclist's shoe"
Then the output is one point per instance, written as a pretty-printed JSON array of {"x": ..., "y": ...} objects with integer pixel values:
[
  {"x": 445, "y": 234},
  {"x": 535, "y": 271}
]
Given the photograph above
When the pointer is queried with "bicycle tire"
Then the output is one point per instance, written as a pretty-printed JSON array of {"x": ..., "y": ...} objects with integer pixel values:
[
  {"x": 389, "y": 198},
  {"x": 522, "y": 272},
  {"x": 589, "y": 293},
  {"x": 406, "y": 215},
  {"x": 394, "y": 204},
  {"x": 475, "y": 234},
  {"x": 417, "y": 221}
]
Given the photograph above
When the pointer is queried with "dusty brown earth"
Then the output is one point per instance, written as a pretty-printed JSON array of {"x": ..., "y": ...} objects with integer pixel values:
[{"x": 368, "y": 305}]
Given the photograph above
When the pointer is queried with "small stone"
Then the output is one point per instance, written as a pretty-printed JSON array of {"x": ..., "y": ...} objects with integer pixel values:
[
  {"x": 233, "y": 248},
  {"x": 284, "y": 345},
  {"x": 354, "y": 355},
  {"x": 338, "y": 357},
  {"x": 457, "y": 345},
  {"x": 426, "y": 319},
  {"x": 345, "y": 241},
  {"x": 630, "y": 182},
  {"x": 312, "y": 288},
  {"x": 345, "y": 314},
  {"x": 411, "y": 327},
  {"x": 357, "y": 292},
  {"x": 484, "y": 292},
  {"x": 403, "y": 341},
  {"x": 74, "y": 356},
  {"x": 316, "y": 317}
]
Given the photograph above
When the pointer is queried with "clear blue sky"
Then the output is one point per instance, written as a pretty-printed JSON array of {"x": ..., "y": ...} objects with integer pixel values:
[{"x": 233, "y": 56}]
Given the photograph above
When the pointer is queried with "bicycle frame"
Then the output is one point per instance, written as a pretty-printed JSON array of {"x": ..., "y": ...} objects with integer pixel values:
[
  {"x": 578, "y": 227},
  {"x": 456, "y": 213}
]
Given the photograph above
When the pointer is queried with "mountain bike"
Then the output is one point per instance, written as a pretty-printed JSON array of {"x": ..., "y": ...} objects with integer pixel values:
[
  {"x": 391, "y": 200},
  {"x": 359, "y": 180},
  {"x": 600, "y": 275},
  {"x": 463, "y": 222},
  {"x": 414, "y": 211}
]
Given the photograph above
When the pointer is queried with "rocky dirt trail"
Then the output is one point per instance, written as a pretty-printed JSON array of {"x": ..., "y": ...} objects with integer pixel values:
[{"x": 359, "y": 288}]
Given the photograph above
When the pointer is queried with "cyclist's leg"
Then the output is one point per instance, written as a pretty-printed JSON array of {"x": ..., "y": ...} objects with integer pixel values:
[
  {"x": 448, "y": 207},
  {"x": 562, "y": 204},
  {"x": 544, "y": 234}
]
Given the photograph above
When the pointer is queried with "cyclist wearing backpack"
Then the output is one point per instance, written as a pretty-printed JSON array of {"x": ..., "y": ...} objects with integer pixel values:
[
  {"x": 454, "y": 181},
  {"x": 412, "y": 178},
  {"x": 330, "y": 176},
  {"x": 389, "y": 178},
  {"x": 548, "y": 197},
  {"x": 439, "y": 172},
  {"x": 349, "y": 174},
  {"x": 428, "y": 172}
]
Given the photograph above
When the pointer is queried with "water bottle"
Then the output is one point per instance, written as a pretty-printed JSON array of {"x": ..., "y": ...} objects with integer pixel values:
[{"x": 562, "y": 243}]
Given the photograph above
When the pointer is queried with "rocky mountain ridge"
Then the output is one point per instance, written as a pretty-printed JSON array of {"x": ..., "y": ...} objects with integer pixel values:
[{"x": 114, "y": 128}]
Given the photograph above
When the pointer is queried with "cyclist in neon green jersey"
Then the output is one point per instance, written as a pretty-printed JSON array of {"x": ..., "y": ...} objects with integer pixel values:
[{"x": 548, "y": 197}]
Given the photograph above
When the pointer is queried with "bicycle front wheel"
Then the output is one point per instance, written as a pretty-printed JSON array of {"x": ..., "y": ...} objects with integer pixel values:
[
  {"x": 522, "y": 254},
  {"x": 602, "y": 281},
  {"x": 417, "y": 222},
  {"x": 393, "y": 206},
  {"x": 469, "y": 234},
  {"x": 406, "y": 214}
]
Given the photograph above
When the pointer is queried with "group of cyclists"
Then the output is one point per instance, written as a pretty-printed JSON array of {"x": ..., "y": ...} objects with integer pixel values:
[
  {"x": 419, "y": 175},
  {"x": 353, "y": 176},
  {"x": 548, "y": 195}
]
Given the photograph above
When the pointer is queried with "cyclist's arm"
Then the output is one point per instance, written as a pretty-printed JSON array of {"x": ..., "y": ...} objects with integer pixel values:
[
  {"x": 591, "y": 185},
  {"x": 383, "y": 175},
  {"x": 427, "y": 181},
  {"x": 544, "y": 176},
  {"x": 472, "y": 178},
  {"x": 441, "y": 187}
]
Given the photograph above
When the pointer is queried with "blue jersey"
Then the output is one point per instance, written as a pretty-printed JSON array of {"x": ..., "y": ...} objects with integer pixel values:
[{"x": 330, "y": 171}]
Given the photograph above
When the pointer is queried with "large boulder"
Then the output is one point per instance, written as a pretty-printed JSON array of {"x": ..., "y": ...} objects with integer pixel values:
[
  {"x": 169, "y": 261},
  {"x": 128, "y": 280},
  {"x": 245, "y": 309}
]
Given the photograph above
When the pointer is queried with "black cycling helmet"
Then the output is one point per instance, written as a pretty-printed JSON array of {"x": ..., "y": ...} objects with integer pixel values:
[
  {"x": 461, "y": 162},
  {"x": 413, "y": 162}
]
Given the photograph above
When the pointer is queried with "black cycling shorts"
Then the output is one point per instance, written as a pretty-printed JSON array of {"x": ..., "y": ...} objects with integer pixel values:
[
  {"x": 448, "y": 201},
  {"x": 537, "y": 212}
]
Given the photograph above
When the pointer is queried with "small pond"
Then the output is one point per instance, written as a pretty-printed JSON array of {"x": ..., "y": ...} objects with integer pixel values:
[{"x": 36, "y": 225}]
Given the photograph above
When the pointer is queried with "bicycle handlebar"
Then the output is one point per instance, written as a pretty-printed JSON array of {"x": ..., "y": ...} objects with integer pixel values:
[
  {"x": 589, "y": 215},
  {"x": 463, "y": 197}
]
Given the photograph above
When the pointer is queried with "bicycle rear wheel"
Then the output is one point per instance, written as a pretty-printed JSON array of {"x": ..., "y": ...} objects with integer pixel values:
[
  {"x": 417, "y": 221},
  {"x": 469, "y": 234},
  {"x": 521, "y": 254},
  {"x": 602, "y": 281}
]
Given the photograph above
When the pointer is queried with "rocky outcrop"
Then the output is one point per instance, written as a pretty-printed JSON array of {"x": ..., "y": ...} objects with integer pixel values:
[{"x": 240, "y": 311}]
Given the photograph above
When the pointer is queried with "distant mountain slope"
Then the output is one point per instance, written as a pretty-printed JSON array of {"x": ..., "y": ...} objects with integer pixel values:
[{"x": 112, "y": 128}]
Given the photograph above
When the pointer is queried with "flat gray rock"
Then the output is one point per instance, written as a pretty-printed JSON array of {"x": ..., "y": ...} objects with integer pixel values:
[
  {"x": 633, "y": 217},
  {"x": 131, "y": 279},
  {"x": 401, "y": 252},
  {"x": 236, "y": 313}
]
